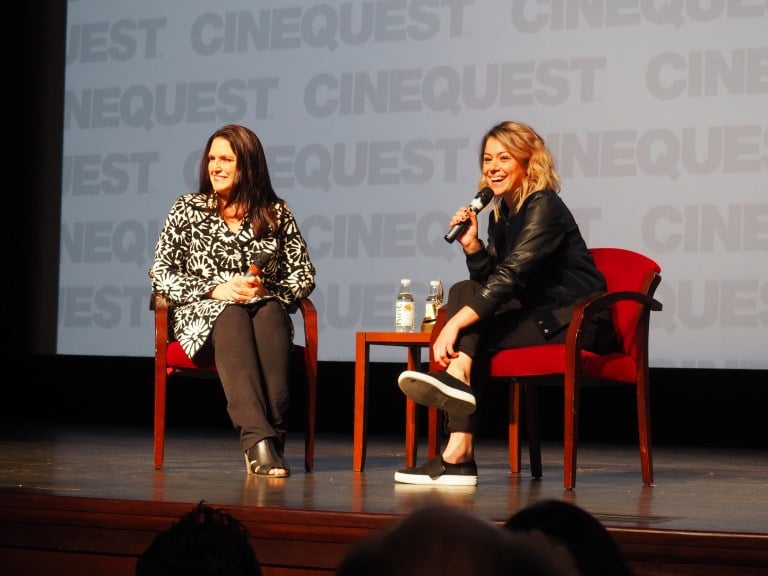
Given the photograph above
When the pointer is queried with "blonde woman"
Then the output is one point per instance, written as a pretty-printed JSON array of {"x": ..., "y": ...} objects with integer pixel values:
[{"x": 522, "y": 283}]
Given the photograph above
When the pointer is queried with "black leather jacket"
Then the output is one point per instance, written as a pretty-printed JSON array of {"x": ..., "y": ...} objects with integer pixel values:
[{"x": 535, "y": 258}]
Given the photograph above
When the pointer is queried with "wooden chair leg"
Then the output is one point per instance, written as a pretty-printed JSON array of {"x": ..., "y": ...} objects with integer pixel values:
[
  {"x": 159, "y": 431},
  {"x": 309, "y": 433},
  {"x": 644, "y": 431},
  {"x": 513, "y": 426},
  {"x": 411, "y": 428},
  {"x": 570, "y": 432},
  {"x": 159, "y": 304}
]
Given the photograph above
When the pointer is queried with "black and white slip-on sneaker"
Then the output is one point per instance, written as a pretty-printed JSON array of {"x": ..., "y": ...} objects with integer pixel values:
[
  {"x": 438, "y": 472},
  {"x": 438, "y": 389}
]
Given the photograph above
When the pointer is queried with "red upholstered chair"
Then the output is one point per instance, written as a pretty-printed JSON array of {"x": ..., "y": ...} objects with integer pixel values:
[
  {"x": 171, "y": 360},
  {"x": 632, "y": 280}
]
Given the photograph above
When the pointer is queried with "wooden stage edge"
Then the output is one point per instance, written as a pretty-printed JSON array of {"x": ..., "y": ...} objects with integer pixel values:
[{"x": 97, "y": 536}]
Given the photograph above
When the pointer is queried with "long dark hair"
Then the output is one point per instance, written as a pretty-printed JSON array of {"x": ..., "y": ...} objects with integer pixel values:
[{"x": 252, "y": 189}]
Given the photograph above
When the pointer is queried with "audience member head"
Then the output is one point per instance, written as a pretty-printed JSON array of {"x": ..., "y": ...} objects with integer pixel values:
[
  {"x": 204, "y": 542},
  {"x": 592, "y": 547},
  {"x": 442, "y": 540}
]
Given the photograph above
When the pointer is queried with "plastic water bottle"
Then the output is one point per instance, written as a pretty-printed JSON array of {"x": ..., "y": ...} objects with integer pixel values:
[
  {"x": 433, "y": 303},
  {"x": 404, "y": 307}
]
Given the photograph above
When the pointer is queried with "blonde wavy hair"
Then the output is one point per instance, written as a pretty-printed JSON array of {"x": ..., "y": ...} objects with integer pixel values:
[{"x": 529, "y": 149}]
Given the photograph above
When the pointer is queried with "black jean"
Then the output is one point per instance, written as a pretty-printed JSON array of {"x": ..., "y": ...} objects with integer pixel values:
[
  {"x": 251, "y": 346},
  {"x": 512, "y": 327}
]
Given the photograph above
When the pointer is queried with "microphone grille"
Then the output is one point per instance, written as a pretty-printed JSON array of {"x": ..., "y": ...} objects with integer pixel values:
[
  {"x": 259, "y": 259},
  {"x": 485, "y": 195}
]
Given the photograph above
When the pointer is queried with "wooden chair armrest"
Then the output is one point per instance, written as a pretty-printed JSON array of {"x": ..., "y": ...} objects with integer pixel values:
[
  {"x": 307, "y": 309},
  {"x": 584, "y": 311},
  {"x": 309, "y": 315},
  {"x": 160, "y": 305},
  {"x": 158, "y": 300}
]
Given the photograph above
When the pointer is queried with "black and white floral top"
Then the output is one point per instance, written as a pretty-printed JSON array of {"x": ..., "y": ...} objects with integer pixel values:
[{"x": 196, "y": 251}]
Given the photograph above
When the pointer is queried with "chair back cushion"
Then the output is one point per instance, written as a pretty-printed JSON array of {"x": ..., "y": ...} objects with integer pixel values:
[{"x": 625, "y": 270}]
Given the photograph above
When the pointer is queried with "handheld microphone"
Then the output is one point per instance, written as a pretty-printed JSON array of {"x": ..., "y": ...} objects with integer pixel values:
[
  {"x": 253, "y": 271},
  {"x": 254, "y": 268},
  {"x": 479, "y": 202}
]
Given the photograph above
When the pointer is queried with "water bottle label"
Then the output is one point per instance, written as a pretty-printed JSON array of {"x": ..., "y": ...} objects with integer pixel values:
[{"x": 404, "y": 315}]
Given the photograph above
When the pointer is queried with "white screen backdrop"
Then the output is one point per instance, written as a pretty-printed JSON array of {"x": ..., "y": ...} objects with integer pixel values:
[{"x": 372, "y": 113}]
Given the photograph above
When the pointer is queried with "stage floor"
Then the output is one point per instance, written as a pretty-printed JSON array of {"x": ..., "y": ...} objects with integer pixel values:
[{"x": 696, "y": 489}]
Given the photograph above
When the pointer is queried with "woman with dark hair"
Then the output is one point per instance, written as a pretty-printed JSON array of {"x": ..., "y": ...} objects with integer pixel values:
[
  {"x": 446, "y": 540},
  {"x": 210, "y": 240},
  {"x": 592, "y": 547},
  {"x": 203, "y": 542},
  {"x": 522, "y": 285}
]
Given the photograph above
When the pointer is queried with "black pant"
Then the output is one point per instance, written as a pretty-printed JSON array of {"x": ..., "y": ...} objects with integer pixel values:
[
  {"x": 252, "y": 348},
  {"x": 513, "y": 327}
]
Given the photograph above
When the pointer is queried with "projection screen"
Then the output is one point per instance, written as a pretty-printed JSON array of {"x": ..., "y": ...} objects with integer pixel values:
[{"x": 372, "y": 113}]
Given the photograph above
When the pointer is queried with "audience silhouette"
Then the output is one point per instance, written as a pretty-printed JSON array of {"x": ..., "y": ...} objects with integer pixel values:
[
  {"x": 204, "y": 542},
  {"x": 592, "y": 547},
  {"x": 444, "y": 540}
]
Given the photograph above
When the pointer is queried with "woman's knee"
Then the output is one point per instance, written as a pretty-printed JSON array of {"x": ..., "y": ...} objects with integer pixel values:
[
  {"x": 272, "y": 315},
  {"x": 232, "y": 316},
  {"x": 233, "y": 321},
  {"x": 464, "y": 287},
  {"x": 461, "y": 293}
]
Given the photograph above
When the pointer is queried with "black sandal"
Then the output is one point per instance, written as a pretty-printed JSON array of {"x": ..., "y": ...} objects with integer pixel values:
[{"x": 263, "y": 457}]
